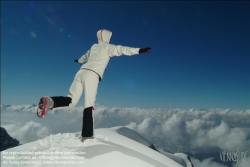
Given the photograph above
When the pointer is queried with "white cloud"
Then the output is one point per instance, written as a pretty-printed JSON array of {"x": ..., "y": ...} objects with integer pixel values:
[
  {"x": 148, "y": 127},
  {"x": 174, "y": 129},
  {"x": 192, "y": 127},
  {"x": 223, "y": 137},
  {"x": 27, "y": 132}
]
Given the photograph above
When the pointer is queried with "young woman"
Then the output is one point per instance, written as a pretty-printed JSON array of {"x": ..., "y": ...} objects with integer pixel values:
[{"x": 87, "y": 78}]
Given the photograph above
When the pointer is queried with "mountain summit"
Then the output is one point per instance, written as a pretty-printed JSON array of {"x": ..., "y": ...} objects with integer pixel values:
[{"x": 118, "y": 146}]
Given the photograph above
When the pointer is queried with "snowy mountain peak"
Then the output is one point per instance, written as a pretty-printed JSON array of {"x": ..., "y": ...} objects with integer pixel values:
[{"x": 109, "y": 148}]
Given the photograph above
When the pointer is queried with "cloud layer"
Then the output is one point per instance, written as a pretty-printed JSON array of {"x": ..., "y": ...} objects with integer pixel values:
[
  {"x": 172, "y": 130},
  {"x": 27, "y": 132}
]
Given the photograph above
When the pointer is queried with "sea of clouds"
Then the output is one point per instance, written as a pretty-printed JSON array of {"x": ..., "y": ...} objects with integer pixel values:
[{"x": 171, "y": 130}]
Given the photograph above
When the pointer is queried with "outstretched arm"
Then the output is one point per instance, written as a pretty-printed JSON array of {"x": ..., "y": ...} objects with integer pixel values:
[
  {"x": 118, "y": 50},
  {"x": 84, "y": 58}
]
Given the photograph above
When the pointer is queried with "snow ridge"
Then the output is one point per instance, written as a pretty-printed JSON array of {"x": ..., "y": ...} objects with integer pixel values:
[{"x": 108, "y": 148}]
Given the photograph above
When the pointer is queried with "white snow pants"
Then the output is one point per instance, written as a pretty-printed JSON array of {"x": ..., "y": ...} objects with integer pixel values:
[{"x": 86, "y": 82}]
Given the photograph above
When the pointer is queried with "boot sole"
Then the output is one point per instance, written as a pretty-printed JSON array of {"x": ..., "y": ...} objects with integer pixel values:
[{"x": 41, "y": 109}]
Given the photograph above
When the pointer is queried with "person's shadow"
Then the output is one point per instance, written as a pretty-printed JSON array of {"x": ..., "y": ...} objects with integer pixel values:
[{"x": 99, "y": 149}]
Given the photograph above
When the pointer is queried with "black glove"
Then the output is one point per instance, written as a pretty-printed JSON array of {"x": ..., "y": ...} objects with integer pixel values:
[
  {"x": 76, "y": 61},
  {"x": 144, "y": 50}
]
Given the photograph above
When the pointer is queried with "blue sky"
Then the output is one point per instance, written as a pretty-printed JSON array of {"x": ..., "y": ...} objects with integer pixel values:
[{"x": 200, "y": 55}]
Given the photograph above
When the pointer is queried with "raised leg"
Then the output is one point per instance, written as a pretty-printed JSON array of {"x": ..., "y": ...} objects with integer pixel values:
[{"x": 61, "y": 101}]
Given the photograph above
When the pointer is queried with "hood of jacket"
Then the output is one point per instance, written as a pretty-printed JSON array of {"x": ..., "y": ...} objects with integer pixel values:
[{"x": 104, "y": 36}]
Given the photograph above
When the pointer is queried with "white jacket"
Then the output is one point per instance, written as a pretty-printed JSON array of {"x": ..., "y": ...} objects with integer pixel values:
[{"x": 97, "y": 58}]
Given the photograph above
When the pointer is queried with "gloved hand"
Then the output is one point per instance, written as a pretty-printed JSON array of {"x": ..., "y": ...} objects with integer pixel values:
[
  {"x": 144, "y": 50},
  {"x": 76, "y": 61}
]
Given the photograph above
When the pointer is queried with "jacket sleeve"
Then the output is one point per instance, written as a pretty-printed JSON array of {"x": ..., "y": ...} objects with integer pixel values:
[
  {"x": 84, "y": 57},
  {"x": 118, "y": 50}
]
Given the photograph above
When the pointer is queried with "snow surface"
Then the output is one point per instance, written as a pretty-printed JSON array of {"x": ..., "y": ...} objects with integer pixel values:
[{"x": 109, "y": 148}]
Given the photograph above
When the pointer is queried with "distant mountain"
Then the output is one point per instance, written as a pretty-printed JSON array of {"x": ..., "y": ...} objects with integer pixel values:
[{"x": 6, "y": 140}]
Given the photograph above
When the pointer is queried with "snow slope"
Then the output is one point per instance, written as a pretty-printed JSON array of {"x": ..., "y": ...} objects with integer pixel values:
[{"x": 110, "y": 148}]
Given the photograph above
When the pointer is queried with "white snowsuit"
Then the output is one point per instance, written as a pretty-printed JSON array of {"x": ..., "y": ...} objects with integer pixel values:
[{"x": 97, "y": 57}]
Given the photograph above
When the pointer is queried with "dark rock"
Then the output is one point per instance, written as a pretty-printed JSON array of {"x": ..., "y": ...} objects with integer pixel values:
[{"x": 6, "y": 140}]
